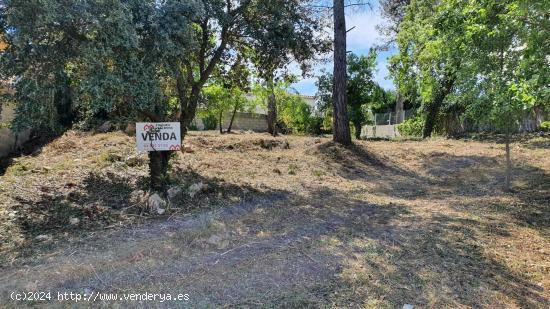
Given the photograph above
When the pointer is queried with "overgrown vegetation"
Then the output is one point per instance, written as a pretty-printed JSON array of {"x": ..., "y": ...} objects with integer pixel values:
[
  {"x": 146, "y": 60},
  {"x": 412, "y": 126},
  {"x": 363, "y": 93},
  {"x": 479, "y": 63}
]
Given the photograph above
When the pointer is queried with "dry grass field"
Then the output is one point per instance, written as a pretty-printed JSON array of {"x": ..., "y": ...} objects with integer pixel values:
[{"x": 283, "y": 222}]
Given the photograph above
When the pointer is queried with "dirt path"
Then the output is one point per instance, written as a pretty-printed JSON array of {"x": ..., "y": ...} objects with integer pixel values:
[
  {"x": 179, "y": 256},
  {"x": 332, "y": 227}
]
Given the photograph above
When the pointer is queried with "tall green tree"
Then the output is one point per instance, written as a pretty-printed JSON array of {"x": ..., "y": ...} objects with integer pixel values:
[
  {"x": 226, "y": 93},
  {"x": 221, "y": 101},
  {"x": 231, "y": 27},
  {"x": 432, "y": 49},
  {"x": 362, "y": 91},
  {"x": 284, "y": 43},
  {"x": 487, "y": 59},
  {"x": 82, "y": 61},
  {"x": 361, "y": 88},
  {"x": 513, "y": 75}
]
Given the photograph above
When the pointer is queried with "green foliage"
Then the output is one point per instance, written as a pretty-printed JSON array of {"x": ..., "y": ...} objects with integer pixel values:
[
  {"x": 287, "y": 32},
  {"x": 222, "y": 102},
  {"x": 267, "y": 34},
  {"x": 315, "y": 125},
  {"x": 93, "y": 59},
  {"x": 90, "y": 60},
  {"x": 363, "y": 92},
  {"x": 411, "y": 127},
  {"x": 294, "y": 114},
  {"x": 210, "y": 122},
  {"x": 486, "y": 60},
  {"x": 298, "y": 116},
  {"x": 545, "y": 126}
]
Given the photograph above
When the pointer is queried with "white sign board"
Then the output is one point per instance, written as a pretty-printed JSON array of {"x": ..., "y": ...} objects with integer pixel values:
[{"x": 158, "y": 136}]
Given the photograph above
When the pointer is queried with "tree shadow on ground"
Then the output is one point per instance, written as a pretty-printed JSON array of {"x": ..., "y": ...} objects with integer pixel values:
[
  {"x": 32, "y": 147},
  {"x": 93, "y": 201},
  {"x": 319, "y": 248},
  {"x": 314, "y": 248},
  {"x": 445, "y": 174},
  {"x": 500, "y": 138},
  {"x": 400, "y": 257},
  {"x": 356, "y": 162},
  {"x": 102, "y": 200},
  {"x": 542, "y": 143}
]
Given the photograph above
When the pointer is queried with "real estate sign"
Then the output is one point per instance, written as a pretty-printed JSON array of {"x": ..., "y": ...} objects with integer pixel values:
[{"x": 158, "y": 136}]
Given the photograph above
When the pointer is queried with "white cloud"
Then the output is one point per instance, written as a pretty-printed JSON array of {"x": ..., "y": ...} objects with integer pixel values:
[
  {"x": 364, "y": 35},
  {"x": 359, "y": 41}
]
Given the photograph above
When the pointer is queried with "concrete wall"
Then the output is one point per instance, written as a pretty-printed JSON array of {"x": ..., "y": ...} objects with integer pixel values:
[
  {"x": 247, "y": 121},
  {"x": 387, "y": 131},
  {"x": 243, "y": 121}
]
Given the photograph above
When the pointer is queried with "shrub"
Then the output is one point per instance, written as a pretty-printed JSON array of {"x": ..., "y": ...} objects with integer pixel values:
[
  {"x": 193, "y": 126},
  {"x": 296, "y": 116},
  {"x": 210, "y": 122},
  {"x": 314, "y": 125},
  {"x": 545, "y": 126},
  {"x": 412, "y": 126}
]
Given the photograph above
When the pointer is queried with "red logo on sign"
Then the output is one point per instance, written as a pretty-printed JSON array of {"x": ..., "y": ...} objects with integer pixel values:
[
  {"x": 148, "y": 127},
  {"x": 175, "y": 148}
]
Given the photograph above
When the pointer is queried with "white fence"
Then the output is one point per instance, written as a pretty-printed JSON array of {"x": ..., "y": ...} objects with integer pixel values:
[
  {"x": 392, "y": 118},
  {"x": 385, "y": 124},
  {"x": 385, "y": 131}
]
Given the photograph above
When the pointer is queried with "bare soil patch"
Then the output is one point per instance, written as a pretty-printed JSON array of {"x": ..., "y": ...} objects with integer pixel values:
[{"x": 283, "y": 222}]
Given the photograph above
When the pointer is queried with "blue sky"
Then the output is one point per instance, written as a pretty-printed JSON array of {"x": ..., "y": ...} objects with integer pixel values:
[{"x": 360, "y": 39}]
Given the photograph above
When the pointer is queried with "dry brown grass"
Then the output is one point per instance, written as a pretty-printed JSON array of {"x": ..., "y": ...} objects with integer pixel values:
[{"x": 376, "y": 225}]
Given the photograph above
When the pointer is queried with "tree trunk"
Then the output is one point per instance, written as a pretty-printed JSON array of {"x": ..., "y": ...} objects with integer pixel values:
[
  {"x": 232, "y": 117},
  {"x": 341, "y": 130},
  {"x": 272, "y": 112},
  {"x": 434, "y": 107},
  {"x": 158, "y": 169},
  {"x": 508, "y": 183},
  {"x": 220, "y": 122},
  {"x": 188, "y": 107},
  {"x": 399, "y": 109},
  {"x": 431, "y": 117}
]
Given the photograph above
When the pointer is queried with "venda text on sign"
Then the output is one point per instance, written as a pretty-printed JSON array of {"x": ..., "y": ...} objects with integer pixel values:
[{"x": 158, "y": 136}]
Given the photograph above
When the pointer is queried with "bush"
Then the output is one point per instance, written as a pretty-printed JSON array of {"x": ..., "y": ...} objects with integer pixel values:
[
  {"x": 210, "y": 122},
  {"x": 193, "y": 126},
  {"x": 314, "y": 125},
  {"x": 296, "y": 116},
  {"x": 545, "y": 126},
  {"x": 411, "y": 127}
]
